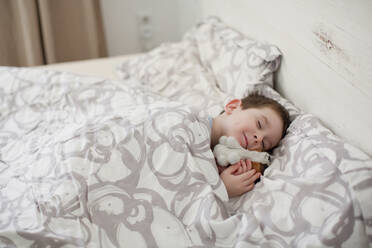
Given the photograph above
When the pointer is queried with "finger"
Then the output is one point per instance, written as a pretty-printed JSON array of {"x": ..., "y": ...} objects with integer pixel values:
[
  {"x": 242, "y": 162},
  {"x": 237, "y": 163},
  {"x": 247, "y": 175},
  {"x": 245, "y": 167},
  {"x": 249, "y": 187},
  {"x": 252, "y": 179},
  {"x": 249, "y": 164},
  {"x": 232, "y": 168}
]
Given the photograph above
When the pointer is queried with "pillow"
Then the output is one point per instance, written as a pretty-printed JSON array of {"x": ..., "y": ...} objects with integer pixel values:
[
  {"x": 212, "y": 60},
  {"x": 316, "y": 191},
  {"x": 236, "y": 61},
  {"x": 174, "y": 70}
]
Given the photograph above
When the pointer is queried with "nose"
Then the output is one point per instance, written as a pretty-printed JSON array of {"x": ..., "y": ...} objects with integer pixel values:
[
  {"x": 257, "y": 138},
  {"x": 257, "y": 142}
]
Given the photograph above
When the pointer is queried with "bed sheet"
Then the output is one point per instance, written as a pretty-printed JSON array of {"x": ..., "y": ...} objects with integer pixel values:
[{"x": 101, "y": 67}]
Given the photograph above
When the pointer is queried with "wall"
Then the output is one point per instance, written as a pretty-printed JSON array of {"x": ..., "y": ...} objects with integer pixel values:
[
  {"x": 169, "y": 19},
  {"x": 189, "y": 13}
]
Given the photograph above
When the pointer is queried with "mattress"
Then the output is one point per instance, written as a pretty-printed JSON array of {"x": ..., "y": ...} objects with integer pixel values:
[{"x": 101, "y": 67}]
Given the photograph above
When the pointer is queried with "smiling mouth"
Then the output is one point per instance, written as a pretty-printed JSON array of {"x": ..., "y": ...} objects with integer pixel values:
[{"x": 246, "y": 141}]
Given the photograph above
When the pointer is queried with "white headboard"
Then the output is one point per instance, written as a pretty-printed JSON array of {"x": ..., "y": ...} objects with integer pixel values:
[{"x": 326, "y": 68}]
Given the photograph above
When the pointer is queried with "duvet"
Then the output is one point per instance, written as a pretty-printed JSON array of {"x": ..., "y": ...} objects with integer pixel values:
[{"x": 86, "y": 162}]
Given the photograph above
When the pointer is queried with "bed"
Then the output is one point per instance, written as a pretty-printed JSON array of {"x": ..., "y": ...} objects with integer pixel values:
[{"x": 115, "y": 152}]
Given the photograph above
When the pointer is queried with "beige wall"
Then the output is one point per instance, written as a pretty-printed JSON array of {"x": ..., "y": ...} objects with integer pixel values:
[{"x": 49, "y": 31}]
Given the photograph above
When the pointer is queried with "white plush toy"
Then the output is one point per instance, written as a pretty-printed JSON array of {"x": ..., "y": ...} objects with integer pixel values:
[{"x": 229, "y": 151}]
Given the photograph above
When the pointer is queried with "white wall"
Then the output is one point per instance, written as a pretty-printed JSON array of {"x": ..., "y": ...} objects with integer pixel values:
[
  {"x": 169, "y": 19},
  {"x": 189, "y": 13}
]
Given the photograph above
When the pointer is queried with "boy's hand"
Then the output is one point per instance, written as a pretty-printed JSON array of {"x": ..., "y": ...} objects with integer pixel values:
[
  {"x": 237, "y": 184},
  {"x": 245, "y": 165}
]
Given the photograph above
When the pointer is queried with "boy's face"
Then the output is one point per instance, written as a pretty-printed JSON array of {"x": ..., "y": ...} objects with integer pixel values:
[{"x": 257, "y": 129}]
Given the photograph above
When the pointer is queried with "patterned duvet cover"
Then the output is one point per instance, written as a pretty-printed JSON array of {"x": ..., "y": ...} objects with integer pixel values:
[{"x": 86, "y": 162}]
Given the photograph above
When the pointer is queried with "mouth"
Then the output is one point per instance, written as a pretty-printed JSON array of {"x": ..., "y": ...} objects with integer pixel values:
[{"x": 246, "y": 141}]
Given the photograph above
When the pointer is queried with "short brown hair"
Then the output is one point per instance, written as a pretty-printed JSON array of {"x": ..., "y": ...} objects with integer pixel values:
[{"x": 256, "y": 100}]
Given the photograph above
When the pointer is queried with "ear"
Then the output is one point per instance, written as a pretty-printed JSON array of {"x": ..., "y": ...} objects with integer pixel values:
[{"x": 232, "y": 105}]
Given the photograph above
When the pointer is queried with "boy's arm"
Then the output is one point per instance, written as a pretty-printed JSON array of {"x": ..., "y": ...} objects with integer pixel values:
[{"x": 237, "y": 184}]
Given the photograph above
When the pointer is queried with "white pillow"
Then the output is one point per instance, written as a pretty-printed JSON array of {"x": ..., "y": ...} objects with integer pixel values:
[
  {"x": 236, "y": 61},
  {"x": 210, "y": 65}
]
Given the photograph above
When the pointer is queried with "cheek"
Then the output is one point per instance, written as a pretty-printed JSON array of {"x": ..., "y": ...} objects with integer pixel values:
[
  {"x": 276, "y": 142},
  {"x": 278, "y": 136},
  {"x": 237, "y": 127},
  {"x": 235, "y": 131}
]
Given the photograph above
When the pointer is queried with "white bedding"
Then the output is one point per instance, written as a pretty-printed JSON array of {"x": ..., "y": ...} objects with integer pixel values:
[
  {"x": 96, "y": 163},
  {"x": 101, "y": 67},
  {"x": 90, "y": 162},
  {"x": 87, "y": 162}
]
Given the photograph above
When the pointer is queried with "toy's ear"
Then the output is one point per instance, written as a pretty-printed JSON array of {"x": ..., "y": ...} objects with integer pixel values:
[
  {"x": 259, "y": 168},
  {"x": 232, "y": 105}
]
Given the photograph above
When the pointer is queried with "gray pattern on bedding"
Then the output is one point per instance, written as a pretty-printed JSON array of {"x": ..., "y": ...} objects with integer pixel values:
[
  {"x": 93, "y": 163},
  {"x": 317, "y": 191},
  {"x": 86, "y": 162}
]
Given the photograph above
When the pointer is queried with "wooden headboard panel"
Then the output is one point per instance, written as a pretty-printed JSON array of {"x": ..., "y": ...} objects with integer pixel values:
[{"x": 326, "y": 68}]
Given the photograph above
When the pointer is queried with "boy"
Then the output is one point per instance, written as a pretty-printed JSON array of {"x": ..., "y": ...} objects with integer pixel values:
[{"x": 257, "y": 123}]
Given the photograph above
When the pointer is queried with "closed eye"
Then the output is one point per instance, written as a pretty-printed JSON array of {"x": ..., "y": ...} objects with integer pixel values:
[{"x": 259, "y": 124}]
